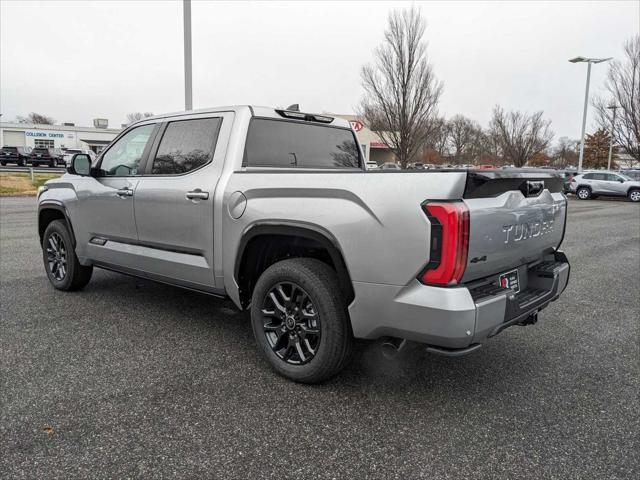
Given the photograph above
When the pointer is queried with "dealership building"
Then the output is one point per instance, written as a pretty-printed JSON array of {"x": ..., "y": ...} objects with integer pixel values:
[
  {"x": 374, "y": 148},
  {"x": 58, "y": 136}
]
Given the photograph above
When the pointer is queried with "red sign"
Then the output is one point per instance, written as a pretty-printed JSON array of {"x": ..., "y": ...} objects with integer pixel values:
[
  {"x": 356, "y": 125},
  {"x": 378, "y": 145}
]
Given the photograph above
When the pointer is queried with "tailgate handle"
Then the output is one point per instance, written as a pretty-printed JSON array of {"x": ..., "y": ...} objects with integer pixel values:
[{"x": 533, "y": 188}]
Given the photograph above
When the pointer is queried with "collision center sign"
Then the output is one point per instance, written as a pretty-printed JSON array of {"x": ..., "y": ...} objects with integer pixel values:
[{"x": 41, "y": 134}]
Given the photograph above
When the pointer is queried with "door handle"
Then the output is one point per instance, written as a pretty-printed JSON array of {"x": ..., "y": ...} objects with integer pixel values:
[
  {"x": 197, "y": 194},
  {"x": 124, "y": 192}
]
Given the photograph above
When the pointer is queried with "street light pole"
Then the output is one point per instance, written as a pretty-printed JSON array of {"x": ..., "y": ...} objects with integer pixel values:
[
  {"x": 589, "y": 61},
  {"x": 613, "y": 125},
  {"x": 188, "y": 93},
  {"x": 584, "y": 118}
]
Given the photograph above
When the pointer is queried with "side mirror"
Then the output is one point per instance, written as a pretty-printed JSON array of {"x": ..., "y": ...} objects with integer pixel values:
[
  {"x": 621, "y": 180},
  {"x": 80, "y": 165}
]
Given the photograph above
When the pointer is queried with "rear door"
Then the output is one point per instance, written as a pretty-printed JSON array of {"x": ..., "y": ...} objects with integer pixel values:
[
  {"x": 514, "y": 218},
  {"x": 174, "y": 199}
]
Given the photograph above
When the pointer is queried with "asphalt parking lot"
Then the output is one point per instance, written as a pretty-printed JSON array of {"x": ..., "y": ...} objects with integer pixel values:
[{"x": 130, "y": 379}]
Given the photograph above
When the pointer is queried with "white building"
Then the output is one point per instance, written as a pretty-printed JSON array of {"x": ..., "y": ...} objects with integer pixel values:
[
  {"x": 56, "y": 136},
  {"x": 374, "y": 148}
]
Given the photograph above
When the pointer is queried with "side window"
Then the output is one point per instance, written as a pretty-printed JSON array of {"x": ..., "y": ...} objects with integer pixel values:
[
  {"x": 277, "y": 143},
  {"x": 588, "y": 176},
  {"x": 612, "y": 177},
  {"x": 186, "y": 145},
  {"x": 123, "y": 157}
]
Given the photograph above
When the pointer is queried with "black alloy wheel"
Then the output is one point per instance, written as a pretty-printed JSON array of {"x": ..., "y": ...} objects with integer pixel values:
[
  {"x": 291, "y": 323},
  {"x": 57, "y": 256}
]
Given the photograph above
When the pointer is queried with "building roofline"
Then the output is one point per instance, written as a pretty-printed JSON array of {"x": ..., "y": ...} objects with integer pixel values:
[{"x": 34, "y": 126}]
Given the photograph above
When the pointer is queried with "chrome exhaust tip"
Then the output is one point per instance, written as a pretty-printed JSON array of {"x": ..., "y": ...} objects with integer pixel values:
[{"x": 392, "y": 346}]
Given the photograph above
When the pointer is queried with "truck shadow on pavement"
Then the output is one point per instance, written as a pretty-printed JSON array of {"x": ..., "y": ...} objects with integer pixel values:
[{"x": 216, "y": 326}]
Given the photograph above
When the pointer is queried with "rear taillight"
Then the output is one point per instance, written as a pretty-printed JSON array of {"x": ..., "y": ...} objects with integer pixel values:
[
  {"x": 573, "y": 180},
  {"x": 449, "y": 243}
]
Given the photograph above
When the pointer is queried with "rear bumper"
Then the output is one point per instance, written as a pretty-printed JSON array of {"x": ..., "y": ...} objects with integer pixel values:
[{"x": 456, "y": 319}]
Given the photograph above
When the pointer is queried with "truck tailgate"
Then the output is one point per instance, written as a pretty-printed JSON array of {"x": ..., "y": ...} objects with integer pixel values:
[{"x": 515, "y": 217}]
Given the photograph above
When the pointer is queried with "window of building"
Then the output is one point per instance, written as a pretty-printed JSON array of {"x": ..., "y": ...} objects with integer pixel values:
[
  {"x": 123, "y": 158},
  {"x": 277, "y": 143},
  {"x": 186, "y": 145},
  {"x": 43, "y": 143}
]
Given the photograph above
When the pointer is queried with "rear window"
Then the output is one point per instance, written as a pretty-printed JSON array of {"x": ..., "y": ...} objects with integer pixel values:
[
  {"x": 10, "y": 149},
  {"x": 285, "y": 144},
  {"x": 39, "y": 150}
]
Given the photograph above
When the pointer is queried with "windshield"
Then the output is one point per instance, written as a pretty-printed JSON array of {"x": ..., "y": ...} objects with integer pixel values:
[{"x": 627, "y": 178}]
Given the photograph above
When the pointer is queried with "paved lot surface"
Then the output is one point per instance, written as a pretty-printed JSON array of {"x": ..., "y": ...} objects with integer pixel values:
[{"x": 134, "y": 379}]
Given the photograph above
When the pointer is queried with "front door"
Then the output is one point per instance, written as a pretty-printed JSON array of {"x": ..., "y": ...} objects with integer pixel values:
[
  {"x": 174, "y": 201},
  {"x": 105, "y": 200}
]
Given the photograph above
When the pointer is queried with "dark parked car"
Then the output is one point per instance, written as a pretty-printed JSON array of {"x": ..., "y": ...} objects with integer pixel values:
[
  {"x": 46, "y": 156},
  {"x": 18, "y": 155}
]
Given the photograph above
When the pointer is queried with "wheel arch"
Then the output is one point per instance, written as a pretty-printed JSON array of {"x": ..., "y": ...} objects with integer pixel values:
[
  {"x": 262, "y": 245},
  {"x": 50, "y": 211}
]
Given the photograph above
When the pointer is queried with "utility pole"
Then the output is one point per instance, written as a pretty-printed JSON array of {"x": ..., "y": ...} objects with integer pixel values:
[
  {"x": 188, "y": 91},
  {"x": 613, "y": 125}
]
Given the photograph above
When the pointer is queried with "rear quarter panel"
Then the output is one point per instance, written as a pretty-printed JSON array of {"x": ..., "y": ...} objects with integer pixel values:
[{"x": 375, "y": 217}]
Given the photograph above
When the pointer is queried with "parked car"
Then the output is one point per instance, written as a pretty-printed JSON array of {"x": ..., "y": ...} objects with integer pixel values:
[
  {"x": 46, "y": 156},
  {"x": 417, "y": 166},
  {"x": 273, "y": 209},
  {"x": 68, "y": 154},
  {"x": 371, "y": 165},
  {"x": 567, "y": 176},
  {"x": 389, "y": 166},
  {"x": 634, "y": 174},
  {"x": 611, "y": 184},
  {"x": 17, "y": 155}
]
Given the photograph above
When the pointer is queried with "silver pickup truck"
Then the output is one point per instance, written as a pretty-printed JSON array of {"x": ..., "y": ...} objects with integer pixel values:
[{"x": 275, "y": 210}]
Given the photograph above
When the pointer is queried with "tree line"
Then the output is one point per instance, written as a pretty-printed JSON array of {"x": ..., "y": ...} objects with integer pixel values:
[{"x": 402, "y": 93}]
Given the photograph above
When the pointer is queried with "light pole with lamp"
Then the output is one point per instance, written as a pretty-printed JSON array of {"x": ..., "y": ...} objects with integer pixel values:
[
  {"x": 586, "y": 99},
  {"x": 613, "y": 126}
]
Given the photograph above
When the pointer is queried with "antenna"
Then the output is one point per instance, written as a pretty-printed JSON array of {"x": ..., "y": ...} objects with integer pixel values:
[{"x": 294, "y": 108}]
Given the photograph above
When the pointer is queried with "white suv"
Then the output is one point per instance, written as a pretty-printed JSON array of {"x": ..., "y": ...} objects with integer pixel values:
[{"x": 593, "y": 184}]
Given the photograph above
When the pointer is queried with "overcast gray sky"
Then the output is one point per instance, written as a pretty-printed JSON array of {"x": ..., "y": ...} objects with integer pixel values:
[{"x": 76, "y": 61}]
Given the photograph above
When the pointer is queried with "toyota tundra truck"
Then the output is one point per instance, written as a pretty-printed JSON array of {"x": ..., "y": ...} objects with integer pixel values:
[{"x": 275, "y": 210}]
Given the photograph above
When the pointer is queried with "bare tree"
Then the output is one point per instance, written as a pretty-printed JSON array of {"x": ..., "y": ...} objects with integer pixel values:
[
  {"x": 137, "y": 116},
  {"x": 565, "y": 152},
  {"x": 35, "y": 118},
  {"x": 438, "y": 140},
  {"x": 623, "y": 89},
  {"x": 401, "y": 90},
  {"x": 463, "y": 137},
  {"x": 520, "y": 135}
]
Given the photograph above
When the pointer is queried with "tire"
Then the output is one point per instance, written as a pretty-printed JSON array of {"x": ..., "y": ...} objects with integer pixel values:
[
  {"x": 282, "y": 338},
  {"x": 21, "y": 163},
  {"x": 3, "y": 163},
  {"x": 583, "y": 193},
  {"x": 52, "y": 164},
  {"x": 60, "y": 260},
  {"x": 634, "y": 195}
]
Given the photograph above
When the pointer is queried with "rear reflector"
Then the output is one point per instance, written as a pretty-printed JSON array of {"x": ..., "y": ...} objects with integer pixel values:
[{"x": 449, "y": 243}]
